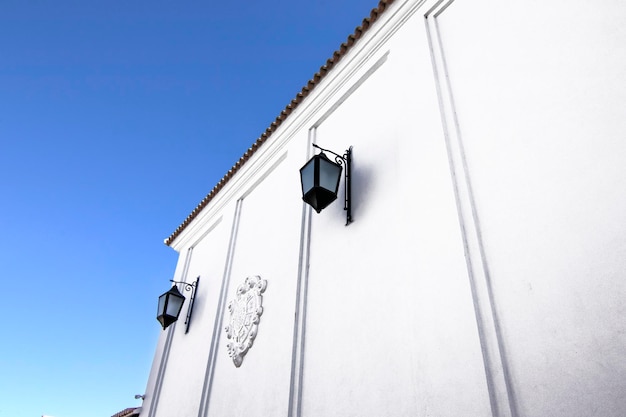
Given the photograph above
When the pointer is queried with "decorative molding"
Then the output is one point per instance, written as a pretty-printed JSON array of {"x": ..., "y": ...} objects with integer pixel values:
[
  {"x": 239, "y": 185},
  {"x": 300, "y": 308},
  {"x": 501, "y": 395},
  {"x": 245, "y": 313},
  {"x": 219, "y": 314}
]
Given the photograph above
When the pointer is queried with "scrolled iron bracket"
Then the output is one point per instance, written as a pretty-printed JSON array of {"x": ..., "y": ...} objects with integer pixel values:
[{"x": 193, "y": 287}]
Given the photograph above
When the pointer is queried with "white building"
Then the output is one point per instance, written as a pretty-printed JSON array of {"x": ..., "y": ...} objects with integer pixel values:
[{"x": 485, "y": 271}]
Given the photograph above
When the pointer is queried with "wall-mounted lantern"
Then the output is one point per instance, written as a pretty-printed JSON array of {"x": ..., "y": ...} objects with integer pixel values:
[
  {"x": 320, "y": 180},
  {"x": 171, "y": 302}
]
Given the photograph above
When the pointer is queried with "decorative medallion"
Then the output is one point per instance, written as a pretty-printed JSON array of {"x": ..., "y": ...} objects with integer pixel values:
[{"x": 245, "y": 313}]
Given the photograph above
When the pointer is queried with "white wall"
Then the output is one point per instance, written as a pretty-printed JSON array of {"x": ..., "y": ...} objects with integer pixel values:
[
  {"x": 540, "y": 89},
  {"x": 483, "y": 273},
  {"x": 189, "y": 353},
  {"x": 390, "y": 326},
  {"x": 267, "y": 244}
]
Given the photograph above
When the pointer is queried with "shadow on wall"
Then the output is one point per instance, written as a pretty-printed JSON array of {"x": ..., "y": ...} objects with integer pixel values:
[{"x": 363, "y": 187}]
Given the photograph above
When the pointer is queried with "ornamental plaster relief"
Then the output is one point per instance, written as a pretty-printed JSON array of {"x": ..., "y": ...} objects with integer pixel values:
[{"x": 245, "y": 313}]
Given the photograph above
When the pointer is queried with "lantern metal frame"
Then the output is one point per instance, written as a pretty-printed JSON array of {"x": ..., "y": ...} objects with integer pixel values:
[
  {"x": 344, "y": 160},
  {"x": 193, "y": 287}
]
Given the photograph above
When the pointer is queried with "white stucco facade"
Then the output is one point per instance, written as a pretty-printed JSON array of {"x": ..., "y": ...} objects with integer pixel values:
[{"x": 484, "y": 272}]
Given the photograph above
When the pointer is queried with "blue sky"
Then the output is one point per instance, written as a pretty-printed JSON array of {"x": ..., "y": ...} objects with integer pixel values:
[{"x": 116, "y": 119}]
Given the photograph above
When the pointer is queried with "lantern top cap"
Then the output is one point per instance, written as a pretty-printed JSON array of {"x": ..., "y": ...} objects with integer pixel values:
[
  {"x": 322, "y": 155},
  {"x": 175, "y": 291},
  {"x": 339, "y": 159}
]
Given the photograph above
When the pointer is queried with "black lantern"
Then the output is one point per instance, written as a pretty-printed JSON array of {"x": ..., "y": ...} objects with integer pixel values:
[
  {"x": 320, "y": 180},
  {"x": 171, "y": 302}
]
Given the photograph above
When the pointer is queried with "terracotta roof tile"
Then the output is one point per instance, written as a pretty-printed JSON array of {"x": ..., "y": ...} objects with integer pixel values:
[
  {"x": 128, "y": 412},
  {"x": 337, "y": 55}
]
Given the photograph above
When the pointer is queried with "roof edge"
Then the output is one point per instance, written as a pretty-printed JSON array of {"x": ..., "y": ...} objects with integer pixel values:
[
  {"x": 375, "y": 13},
  {"x": 128, "y": 412}
]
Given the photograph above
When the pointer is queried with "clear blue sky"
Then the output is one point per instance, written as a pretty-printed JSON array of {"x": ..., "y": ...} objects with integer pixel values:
[{"x": 116, "y": 119}]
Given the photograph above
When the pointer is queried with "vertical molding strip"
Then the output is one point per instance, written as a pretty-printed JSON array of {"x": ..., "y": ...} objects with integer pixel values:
[
  {"x": 203, "y": 410},
  {"x": 299, "y": 325},
  {"x": 496, "y": 370},
  {"x": 158, "y": 384},
  {"x": 156, "y": 393}
]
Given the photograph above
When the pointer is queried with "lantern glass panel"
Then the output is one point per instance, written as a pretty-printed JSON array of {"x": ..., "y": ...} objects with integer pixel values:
[
  {"x": 307, "y": 176},
  {"x": 162, "y": 300},
  {"x": 330, "y": 173},
  {"x": 174, "y": 304}
]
